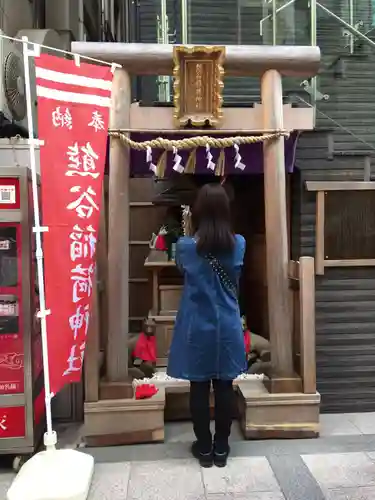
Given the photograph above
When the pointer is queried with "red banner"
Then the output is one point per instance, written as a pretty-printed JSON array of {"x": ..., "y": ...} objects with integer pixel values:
[
  {"x": 73, "y": 113},
  {"x": 12, "y": 422}
]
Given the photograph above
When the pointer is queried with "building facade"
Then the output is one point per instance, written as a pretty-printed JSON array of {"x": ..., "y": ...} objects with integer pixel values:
[{"x": 92, "y": 20}]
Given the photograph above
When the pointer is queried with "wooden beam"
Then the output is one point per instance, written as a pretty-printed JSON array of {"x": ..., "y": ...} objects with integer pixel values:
[
  {"x": 118, "y": 233},
  {"x": 319, "y": 233},
  {"x": 279, "y": 313},
  {"x": 102, "y": 269},
  {"x": 293, "y": 269},
  {"x": 307, "y": 324},
  {"x": 340, "y": 186},
  {"x": 235, "y": 120},
  {"x": 240, "y": 60},
  {"x": 92, "y": 364},
  {"x": 349, "y": 263}
]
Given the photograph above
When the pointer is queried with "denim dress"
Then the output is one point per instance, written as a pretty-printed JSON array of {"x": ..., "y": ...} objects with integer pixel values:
[{"x": 208, "y": 340}]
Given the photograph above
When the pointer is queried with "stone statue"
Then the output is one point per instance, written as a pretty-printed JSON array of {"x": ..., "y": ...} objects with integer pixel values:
[
  {"x": 142, "y": 352},
  {"x": 259, "y": 360},
  {"x": 258, "y": 351}
]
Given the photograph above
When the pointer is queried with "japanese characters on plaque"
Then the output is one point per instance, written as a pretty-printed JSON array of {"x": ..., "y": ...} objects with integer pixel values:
[
  {"x": 198, "y": 85},
  {"x": 81, "y": 167}
]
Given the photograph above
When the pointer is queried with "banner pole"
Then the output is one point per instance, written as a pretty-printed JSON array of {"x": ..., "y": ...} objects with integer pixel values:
[{"x": 50, "y": 437}]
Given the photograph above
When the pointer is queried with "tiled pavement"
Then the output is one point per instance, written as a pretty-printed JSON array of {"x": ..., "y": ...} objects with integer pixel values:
[{"x": 338, "y": 466}]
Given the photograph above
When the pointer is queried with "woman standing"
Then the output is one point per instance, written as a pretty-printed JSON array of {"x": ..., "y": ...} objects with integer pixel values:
[{"x": 208, "y": 343}]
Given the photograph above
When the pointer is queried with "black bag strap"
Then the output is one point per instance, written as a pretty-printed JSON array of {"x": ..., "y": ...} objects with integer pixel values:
[{"x": 222, "y": 275}]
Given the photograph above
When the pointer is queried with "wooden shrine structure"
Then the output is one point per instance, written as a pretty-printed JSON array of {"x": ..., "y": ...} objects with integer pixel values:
[{"x": 286, "y": 405}]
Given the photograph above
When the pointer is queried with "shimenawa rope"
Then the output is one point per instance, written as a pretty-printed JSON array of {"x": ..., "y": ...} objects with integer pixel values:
[{"x": 195, "y": 142}]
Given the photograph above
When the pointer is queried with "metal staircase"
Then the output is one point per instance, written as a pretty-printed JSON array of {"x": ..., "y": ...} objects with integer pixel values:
[{"x": 341, "y": 93}]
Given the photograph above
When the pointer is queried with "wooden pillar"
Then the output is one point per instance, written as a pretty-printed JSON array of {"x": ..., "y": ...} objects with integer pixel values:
[
  {"x": 118, "y": 233},
  {"x": 307, "y": 323},
  {"x": 92, "y": 354},
  {"x": 279, "y": 313},
  {"x": 102, "y": 270}
]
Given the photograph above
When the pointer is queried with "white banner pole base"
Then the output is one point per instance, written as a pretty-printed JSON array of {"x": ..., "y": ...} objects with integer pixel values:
[
  {"x": 54, "y": 475},
  {"x": 51, "y": 474}
]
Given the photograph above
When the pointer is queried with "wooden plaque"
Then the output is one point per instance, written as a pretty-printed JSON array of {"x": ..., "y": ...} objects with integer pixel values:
[{"x": 198, "y": 85}]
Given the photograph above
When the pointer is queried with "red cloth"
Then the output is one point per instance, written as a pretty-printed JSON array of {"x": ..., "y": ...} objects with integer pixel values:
[
  {"x": 160, "y": 243},
  {"x": 145, "y": 391},
  {"x": 247, "y": 340},
  {"x": 145, "y": 348}
]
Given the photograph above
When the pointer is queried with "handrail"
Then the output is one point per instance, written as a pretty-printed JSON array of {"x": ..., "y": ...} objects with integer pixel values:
[
  {"x": 346, "y": 25},
  {"x": 338, "y": 19},
  {"x": 338, "y": 124},
  {"x": 262, "y": 21}
]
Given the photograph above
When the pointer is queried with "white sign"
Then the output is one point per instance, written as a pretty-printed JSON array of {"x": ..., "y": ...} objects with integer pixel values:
[
  {"x": 7, "y": 194},
  {"x": 4, "y": 245}
]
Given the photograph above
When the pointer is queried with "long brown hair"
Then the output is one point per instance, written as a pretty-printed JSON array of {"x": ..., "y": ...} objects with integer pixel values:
[{"x": 212, "y": 221}]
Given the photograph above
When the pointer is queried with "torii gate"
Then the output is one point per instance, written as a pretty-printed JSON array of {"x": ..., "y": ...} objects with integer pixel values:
[{"x": 269, "y": 63}]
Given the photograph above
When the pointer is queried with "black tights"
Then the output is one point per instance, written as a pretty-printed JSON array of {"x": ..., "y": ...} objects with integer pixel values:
[{"x": 200, "y": 413}]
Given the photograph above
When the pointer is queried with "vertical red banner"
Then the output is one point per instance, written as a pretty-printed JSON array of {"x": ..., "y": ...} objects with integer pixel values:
[{"x": 73, "y": 113}]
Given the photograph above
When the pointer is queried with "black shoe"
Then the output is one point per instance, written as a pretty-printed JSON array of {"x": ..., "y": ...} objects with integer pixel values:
[
  {"x": 205, "y": 459},
  {"x": 221, "y": 457}
]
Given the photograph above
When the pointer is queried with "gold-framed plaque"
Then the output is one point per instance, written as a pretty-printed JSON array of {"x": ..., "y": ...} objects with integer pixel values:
[{"x": 198, "y": 85}]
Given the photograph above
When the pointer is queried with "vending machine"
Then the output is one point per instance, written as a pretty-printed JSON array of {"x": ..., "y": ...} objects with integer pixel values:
[{"x": 21, "y": 369}]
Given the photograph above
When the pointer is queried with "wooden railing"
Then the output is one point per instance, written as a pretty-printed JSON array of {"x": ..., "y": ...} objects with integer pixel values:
[{"x": 302, "y": 285}]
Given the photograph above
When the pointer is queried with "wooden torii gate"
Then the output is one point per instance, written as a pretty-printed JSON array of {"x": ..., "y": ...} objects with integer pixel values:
[{"x": 269, "y": 63}]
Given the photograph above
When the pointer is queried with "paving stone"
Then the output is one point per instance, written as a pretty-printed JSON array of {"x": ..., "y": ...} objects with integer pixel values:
[
  {"x": 260, "y": 495},
  {"x": 362, "y": 493},
  {"x": 295, "y": 478},
  {"x": 338, "y": 425},
  {"x": 364, "y": 421},
  {"x": 6, "y": 480},
  {"x": 182, "y": 432},
  {"x": 110, "y": 481},
  {"x": 241, "y": 476},
  {"x": 272, "y": 495},
  {"x": 166, "y": 480},
  {"x": 340, "y": 470}
]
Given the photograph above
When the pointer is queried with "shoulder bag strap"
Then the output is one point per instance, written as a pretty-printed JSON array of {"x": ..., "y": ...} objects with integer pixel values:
[{"x": 222, "y": 275}]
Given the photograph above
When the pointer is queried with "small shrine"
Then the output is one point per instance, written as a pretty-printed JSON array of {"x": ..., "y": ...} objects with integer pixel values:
[{"x": 159, "y": 157}]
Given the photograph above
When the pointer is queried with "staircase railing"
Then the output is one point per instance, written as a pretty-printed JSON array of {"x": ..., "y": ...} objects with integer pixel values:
[
  {"x": 354, "y": 31},
  {"x": 339, "y": 125},
  {"x": 314, "y": 5},
  {"x": 317, "y": 89}
]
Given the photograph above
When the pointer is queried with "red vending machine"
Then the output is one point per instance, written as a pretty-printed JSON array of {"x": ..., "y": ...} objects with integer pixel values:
[{"x": 21, "y": 368}]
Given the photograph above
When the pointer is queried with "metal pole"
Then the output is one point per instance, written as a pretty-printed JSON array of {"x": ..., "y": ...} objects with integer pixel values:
[
  {"x": 112, "y": 19},
  {"x": 81, "y": 25},
  {"x": 164, "y": 82},
  {"x": 50, "y": 436},
  {"x": 274, "y": 22},
  {"x": 184, "y": 22},
  {"x": 280, "y": 9},
  {"x": 351, "y": 22},
  {"x": 313, "y": 37}
]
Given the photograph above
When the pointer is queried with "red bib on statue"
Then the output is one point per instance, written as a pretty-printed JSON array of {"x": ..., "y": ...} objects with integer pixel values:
[{"x": 145, "y": 348}]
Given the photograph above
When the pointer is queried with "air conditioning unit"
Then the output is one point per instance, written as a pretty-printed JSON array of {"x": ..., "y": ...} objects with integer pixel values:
[
  {"x": 12, "y": 86},
  {"x": 12, "y": 81}
]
